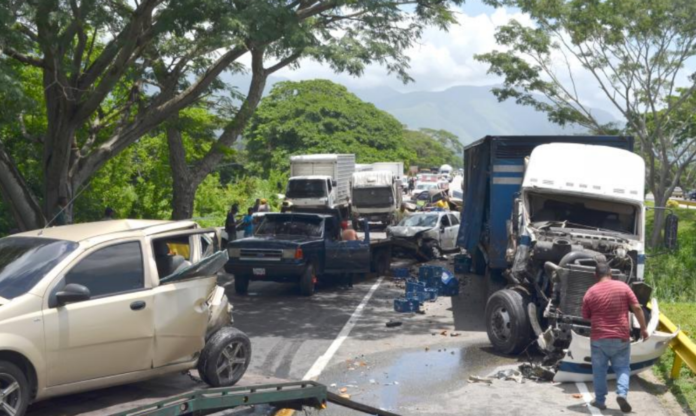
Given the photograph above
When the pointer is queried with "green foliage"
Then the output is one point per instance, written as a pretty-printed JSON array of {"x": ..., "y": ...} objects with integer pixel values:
[
  {"x": 428, "y": 152},
  {"x": 319, "y": 116},
  {"x": 672, "y": 274},
  {"x": 684, "y": 388}
]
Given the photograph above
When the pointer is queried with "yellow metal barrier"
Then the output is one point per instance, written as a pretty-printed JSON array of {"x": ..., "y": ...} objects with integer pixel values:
[{"x": 684, "y": 348}]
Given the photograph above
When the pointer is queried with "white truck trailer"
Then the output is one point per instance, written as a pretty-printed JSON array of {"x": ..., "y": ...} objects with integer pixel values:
[
  {"x": 320, "y": 181},
  {"x": 375, "y": 196},
  {"x": 396, "y": 168}
]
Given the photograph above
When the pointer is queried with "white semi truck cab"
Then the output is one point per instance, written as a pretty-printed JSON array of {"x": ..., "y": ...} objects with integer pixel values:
[{"x": 375, "y": 196}]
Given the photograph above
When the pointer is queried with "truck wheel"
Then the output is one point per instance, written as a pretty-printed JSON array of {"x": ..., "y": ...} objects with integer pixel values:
[
  {"x": 14, "y": 390},
  {"x": 507, "y": 323},
  {"x": 225, "y": 357},
  {"x": 308, "y": 281},
  {"x": 241, "y": 285}
]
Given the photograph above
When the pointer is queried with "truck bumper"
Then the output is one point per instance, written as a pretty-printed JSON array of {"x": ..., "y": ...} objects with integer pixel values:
[{"x": 269, "y": 272}]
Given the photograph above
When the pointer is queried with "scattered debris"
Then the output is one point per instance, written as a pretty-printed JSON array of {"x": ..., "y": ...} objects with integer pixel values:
[
  {"x": 373, "y": 381},
  {"x": 444, "y": 333},
  {"x": 537, "y": 372},
  {"x": 477, "y": 379},
  {"x": 509, "y": 375},
  {"x": 345, "y": 396},
  {"x": 343, "y": 389},
  {"x": 455, "y": 334},
  {"x": 393, "y": 324},
  {"x": 427, "y": 348},
  {"x": 577, "y": 396},
  {"x": 333, "y": 385}
]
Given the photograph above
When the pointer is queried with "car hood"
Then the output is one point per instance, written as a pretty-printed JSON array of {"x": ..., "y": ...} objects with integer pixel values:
[
  {"x": 407, "y": 231},
  {"x": 272, "y": 242}
]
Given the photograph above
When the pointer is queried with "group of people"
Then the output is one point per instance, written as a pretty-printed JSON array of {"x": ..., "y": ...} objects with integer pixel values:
[{"x": 247, "y": 223}]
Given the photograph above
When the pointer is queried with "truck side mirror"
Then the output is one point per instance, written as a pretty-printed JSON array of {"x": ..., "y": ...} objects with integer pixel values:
[
  {"x": 334, "y": 183},
  {"x": 671, "y": 230}
]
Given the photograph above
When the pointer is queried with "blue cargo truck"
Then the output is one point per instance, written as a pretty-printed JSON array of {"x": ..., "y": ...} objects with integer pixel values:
[{"x": 539, "y": 212}]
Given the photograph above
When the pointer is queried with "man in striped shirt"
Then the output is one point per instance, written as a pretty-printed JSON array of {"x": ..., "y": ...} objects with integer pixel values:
[{"x": 606, "y": 305}]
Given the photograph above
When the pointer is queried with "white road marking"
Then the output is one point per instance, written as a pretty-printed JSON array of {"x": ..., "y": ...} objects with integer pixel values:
[
  {"x": 582, "y": 388},
  {"x": 321, "y": 362}
]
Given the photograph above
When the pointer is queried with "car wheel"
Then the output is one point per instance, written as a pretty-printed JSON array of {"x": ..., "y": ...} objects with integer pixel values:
[
  {"x": 308, "y": 281},
  {"x": 433, "y": 250},
  {"x": 507, "y": 323},
  {"x": 14, "y": 390},
  {"x": 241, "y": 285},
  {"x": 225, "y": 357}
]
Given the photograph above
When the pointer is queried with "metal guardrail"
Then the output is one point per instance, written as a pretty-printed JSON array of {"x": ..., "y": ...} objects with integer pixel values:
[{"x": 684, "y": 348}]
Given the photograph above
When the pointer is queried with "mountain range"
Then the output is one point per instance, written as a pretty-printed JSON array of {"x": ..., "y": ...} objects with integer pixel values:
[{"x": 470, "y": 112}]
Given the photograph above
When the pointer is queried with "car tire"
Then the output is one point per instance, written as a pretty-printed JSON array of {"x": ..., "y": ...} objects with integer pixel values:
[
  {"x": 11, "y": 377},
  {"x": 432, "y": 250},
  {"x": 241, "y": 285},
  {"x": 225, "y": 357},
  {"x": 507, "y": 323},
  {"x": 308, "y": 281}
]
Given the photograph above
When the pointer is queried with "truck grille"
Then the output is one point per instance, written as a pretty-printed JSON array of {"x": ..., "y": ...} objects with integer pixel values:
[
  {"x": 261, "y": 254},
  {"x": 574, "y": 283}
]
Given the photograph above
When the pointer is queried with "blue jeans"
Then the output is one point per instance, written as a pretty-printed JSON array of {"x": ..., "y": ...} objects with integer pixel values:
[{"x": 618, "y": 353}]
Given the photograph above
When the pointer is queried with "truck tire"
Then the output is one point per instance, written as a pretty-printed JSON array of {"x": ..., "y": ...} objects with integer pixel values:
[
  {"x": 241, "y": 285},
  {"x": 308, "y": 281},
  {"x": 16, "y": 388},
  {"x": 225, "y": 357},
  {"x": 507, "y": 323}
]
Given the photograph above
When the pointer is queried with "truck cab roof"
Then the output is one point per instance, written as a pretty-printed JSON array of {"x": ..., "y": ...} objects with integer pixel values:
[{"x": 310, "y": 177}]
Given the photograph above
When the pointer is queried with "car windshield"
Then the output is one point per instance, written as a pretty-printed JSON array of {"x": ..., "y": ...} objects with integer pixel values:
[
  {"x": 419, "y": 220},
  {"x": 290, "y": 225},
  {"x": 306, "y": 188},
  {"x": 426, "y": 186},
  {"x": 24, "y": 261}
]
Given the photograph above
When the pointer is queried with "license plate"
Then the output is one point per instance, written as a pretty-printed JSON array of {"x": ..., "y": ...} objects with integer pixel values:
[{"x": 259, "y": 272}]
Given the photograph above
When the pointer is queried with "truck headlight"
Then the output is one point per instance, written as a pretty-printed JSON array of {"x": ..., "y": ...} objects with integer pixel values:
[
  {"x": 293, "y": 253},
  {"x": 234, "y": 252}
]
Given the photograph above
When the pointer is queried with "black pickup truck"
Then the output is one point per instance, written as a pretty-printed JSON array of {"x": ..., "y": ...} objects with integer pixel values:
[{"x": 302, "y": 248}]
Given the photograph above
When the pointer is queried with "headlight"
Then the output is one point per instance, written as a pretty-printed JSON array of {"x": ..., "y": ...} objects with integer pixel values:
[
  {"x": 234, "y": 252},
  {"x": 293, "y": 253}
]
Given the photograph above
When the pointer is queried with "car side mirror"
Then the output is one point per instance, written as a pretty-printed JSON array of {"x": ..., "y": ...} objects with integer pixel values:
[
  {"x": 334, "y": 183},
  {"x": 671, "y": 232},
  {"x": 72, "y": 293}
]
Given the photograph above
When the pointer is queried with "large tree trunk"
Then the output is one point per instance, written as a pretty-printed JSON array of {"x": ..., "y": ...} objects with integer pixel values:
[
  {"x": 184, "y": 185},
  {"x": 17, "y": 195}
]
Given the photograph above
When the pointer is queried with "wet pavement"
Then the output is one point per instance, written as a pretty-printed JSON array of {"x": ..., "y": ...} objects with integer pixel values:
[{"x": 419, "y": 368}]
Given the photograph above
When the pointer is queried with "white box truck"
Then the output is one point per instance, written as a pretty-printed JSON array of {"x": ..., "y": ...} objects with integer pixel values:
[
  {"x": 320, "y": 181},
  {"x": 375, "y": 196},
  {"x": 396, "y": 168}
]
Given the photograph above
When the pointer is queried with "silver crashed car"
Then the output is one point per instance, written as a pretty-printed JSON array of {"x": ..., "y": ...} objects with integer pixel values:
[{"x": 433, "y": 233}]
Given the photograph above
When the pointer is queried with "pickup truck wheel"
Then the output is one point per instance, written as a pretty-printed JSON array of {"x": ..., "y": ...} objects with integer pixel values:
[
  {"x": 225, "y": 357},
  {"x": 14, "y": 390},
  {"x": 308, "y": 281},
  {"x": 507, "y": 323},
  {"x": 241, "y": 285}
]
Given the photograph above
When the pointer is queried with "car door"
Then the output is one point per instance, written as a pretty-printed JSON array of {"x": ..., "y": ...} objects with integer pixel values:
[
  {"x": 109, "y": 334},
  {"x": 181, "y": 311},
  {"x": 344, "y": 256},
  {"x": 451, "y": 232}
]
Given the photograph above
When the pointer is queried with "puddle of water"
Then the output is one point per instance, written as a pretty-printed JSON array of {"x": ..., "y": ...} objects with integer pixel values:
[{"x": 396, "y": 379}]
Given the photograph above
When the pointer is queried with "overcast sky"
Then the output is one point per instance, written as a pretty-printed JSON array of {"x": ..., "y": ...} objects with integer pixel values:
[{"x": 445, "y": 59}]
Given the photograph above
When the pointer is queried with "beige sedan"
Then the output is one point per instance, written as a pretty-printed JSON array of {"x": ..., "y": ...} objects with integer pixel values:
[{"x": 94, "y": 305}]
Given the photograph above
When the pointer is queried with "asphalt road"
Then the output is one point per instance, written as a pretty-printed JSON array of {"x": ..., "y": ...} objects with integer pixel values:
[{"x": 419, "y": 368}]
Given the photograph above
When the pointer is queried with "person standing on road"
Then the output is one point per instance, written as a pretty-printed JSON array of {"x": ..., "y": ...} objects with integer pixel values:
[
  {"x": 347, "y": 234},
  {"x": 231, "y": 223},
  {"x": 248, "y": 222},
  {"x": 606, "y": 305},
  {"x": 263, "y": 206}
]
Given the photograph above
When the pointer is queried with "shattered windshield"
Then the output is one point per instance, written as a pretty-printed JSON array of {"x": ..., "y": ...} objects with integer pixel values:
[
  {"x": 24, "y": 261},
  {"x": 570, "y": 211},
  {"x": 290, "y": 225},
  {"x": 419, "y": 220}
]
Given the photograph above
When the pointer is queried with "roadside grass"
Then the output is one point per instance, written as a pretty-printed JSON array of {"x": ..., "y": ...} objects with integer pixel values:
[{"x": 673, "y": 278}]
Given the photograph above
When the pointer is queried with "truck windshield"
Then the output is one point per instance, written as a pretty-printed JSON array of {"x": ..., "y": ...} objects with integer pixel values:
[
  {"x": 419, "y": 220},
  {"x": 24, "y": 261},
  {"x": 306, "y": 188},
  {"x": 290, "y": 225},
  {"x": 373, "y": 197},
  {"x": 583, "y": 212}
]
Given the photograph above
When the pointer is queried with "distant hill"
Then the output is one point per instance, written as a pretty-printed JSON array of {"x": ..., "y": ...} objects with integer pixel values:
[{"x": 467, "y": 111}]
